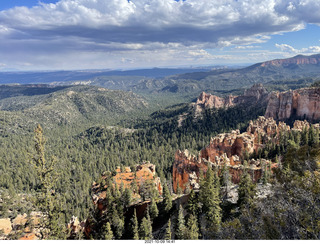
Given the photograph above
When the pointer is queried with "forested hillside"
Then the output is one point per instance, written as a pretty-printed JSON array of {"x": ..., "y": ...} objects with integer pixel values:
[{"x": 89, "y": 137}]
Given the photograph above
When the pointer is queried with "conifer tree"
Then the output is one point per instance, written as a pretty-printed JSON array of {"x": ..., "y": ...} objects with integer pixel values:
[
  {"x": 117, "y": 222},
  {"x": 210, "y": 198},
  {"x": 145, "y": 231},
  {"x": 52, "y": 226},
  {"x": 134, "y": 226},
  {"x": 265, "y": 173},
  {"x": 192, "y": 206},
  {"x": 192, "y": 232},
  {"x": 225, "y": 181},
  {"x": 153, "y": 209},
  {"x": 127, "y": 197},
  {"x": 108, "y": 234},
  {"x": 305, "y": 136},
  {"x": 168, "y": 231},
  {"x": 246, "y": 191},
  {"x": 167, "y": 199},
  {"x": 178, "y": 189},
  {"x": 180, "y": 226}
]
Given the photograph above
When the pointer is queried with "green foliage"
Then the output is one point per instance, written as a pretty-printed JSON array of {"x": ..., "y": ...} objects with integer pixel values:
[
  {"x": 135, "y": 226},
  {"x": 127, "y": 197},
  {"x": 192, "y": 232},
  {"x": 193, "y": 204},
  {"x": 167, "y": 199},
  {"x": 168, "y": 231},
  {"x": 154, "y": 212},
  {"x": 117, "y": 221},
  {"x": 145, "y": 231},
  {"x": 108, "y": 234},
  {"x": 180, "y": 229},
  {"x": 210, "y": 199},
  {"x": 315, "y": 84},
  {"x": 50, "y": 206},
  {"x": 246, "y": 191}
]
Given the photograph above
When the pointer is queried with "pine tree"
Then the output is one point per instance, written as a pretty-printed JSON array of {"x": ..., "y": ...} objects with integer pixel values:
[
  {"x": 134, "y": 226},
  {"x": 210, "y": 198},
  {"x": 192, "y": 232},
  {"x": 225, "y": 181},
  {"x": 153, "y": 210},
  {"x": 145, "y": 231},
  {"x": 305, "y": 136},
  {"x": 265, "y": 173},
  {"x": 149, "y": 223},
  {"x": 179, "y": 190},
  {"x": 108, "y": 234},
  {"x": 52, "y": 226},
  {"x": 246, "y": 191},
  {"x": 180, "y": 226},
  {"x": 117, "y": 222},
  {"x": 167, "y": 199},
  {"x": 192, "y": 206},
  {"x": 168, "y": 231},
  {"x": 127, "y": 197}
]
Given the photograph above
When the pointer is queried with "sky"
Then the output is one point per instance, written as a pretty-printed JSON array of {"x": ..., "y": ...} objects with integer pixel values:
[{"x": 130, "y": 34}]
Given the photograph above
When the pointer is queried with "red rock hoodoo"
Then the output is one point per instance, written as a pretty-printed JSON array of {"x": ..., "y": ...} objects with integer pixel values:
[
  {"x": 228, "y": 149},
  {"x": 257, "y": 93},
  {"x": 144, "y": 172}
]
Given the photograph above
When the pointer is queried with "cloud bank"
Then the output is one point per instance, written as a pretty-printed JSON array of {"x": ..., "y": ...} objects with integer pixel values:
[{"x": 83, "y": 33}]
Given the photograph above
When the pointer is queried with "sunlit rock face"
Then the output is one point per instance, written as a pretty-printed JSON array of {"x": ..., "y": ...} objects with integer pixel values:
[
  {"x": 302, "y": 103},
  {"x": 256, "y": 94},
  {"x": 228, "y": 150}
]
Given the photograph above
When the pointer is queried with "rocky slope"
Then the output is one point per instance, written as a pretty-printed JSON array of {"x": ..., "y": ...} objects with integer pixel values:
[
  {"x": 144, "y": 172},
  {"x": 230, "y": 150},
  {"x": 297, "y": 60},
  {"x": 22, "y": 227},
  {"x": 256, "y": 94},
  {"x": 299, "y": 70},
  {"x": 301, "y": 103}
]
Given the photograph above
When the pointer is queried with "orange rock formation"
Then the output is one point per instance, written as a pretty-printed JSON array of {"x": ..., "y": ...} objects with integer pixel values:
[
  {"x": 144, "y": 172},
  {"x": 302, "y": 103},
  {"x": 257, "y": 93},
  {"x": 227, "y": 149}
]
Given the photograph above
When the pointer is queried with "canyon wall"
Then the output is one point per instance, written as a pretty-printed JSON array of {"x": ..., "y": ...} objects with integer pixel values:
[
  {"x": 256, "y": 94},
  {"x": 228, "y": 150},
  {"x": 145, "y": 173},
  {"x": 302, "y": 103}
]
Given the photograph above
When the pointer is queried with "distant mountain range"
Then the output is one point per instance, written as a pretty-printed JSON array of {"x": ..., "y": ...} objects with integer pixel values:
[
  {"x": 279, "y": 74},
  {"x": 294, "y": 72},
  {"x": 37, "y": 77}
]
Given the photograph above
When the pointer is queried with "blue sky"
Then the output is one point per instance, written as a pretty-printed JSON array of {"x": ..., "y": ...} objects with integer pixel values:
[
  {"x": 122, "y": 34},
  {"x": 7, "y": 4}
]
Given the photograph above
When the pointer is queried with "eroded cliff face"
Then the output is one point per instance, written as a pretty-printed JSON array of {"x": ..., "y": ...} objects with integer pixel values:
[
  {"x": 21, "y": 224},
  {"x": 302, "y": 103},
  {"x": 297, "y": 60},
  {"x": 228, "y": 150},
  {"x": 257, "y": 93},
  {"x": 144, "y": 173}
]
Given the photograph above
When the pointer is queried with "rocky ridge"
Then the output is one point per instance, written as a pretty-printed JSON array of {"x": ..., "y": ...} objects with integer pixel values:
[
  {"x": 144, "y": 172},
  {"x": 256, "y": 94},
  {"x": 301, "y": 104},
  {"x": 230, "y": 150},
  {"x": 297, "y": 60},
  {"x": 25, "y": 227}
]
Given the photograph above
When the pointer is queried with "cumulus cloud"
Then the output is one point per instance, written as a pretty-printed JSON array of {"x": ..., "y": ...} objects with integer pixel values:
[
  {"x": 141, "y": 26},
  {"x": 290, "y": 49}
]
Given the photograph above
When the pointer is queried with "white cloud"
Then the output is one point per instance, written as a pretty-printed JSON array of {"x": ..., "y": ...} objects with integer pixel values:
[
  {"x": 289, "y": 49},
  {"x": 87, "y": 27}
]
